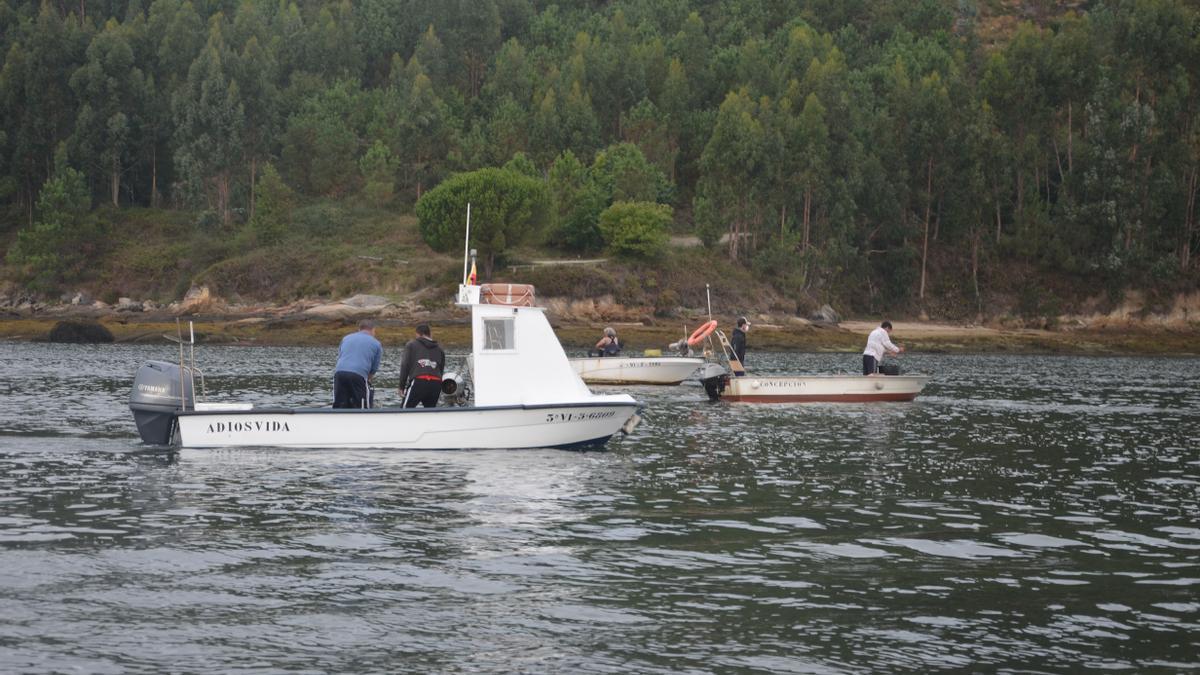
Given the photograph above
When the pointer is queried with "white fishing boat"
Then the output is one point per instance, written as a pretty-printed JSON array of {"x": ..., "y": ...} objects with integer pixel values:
[
  {"x": 636, "y": 369},
  {"x": 736, "y": 385},
  {"x": 525, "y": 395}
]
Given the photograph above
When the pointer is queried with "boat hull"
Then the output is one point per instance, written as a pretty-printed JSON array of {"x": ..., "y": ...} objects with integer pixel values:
[
  {"x": 517, "y": 426},
  {"x": 636, "y": 370},
  {"x": 824, "y": 388}
]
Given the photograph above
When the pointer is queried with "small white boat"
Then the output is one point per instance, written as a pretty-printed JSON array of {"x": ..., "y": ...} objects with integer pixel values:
[
  {"x": 735, "y": 384},
  {"x": 636, "y": 369},
  {"x": 817, "y": 388},
  {"x": 526, "y": 395}
]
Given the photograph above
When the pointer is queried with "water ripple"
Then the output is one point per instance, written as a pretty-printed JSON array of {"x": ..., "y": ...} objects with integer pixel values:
[{"x": 1029, "y": 513}]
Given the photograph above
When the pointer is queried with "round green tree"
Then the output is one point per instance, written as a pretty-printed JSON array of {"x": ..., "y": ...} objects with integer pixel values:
[
  {"x": 507, "y": 209},
  {"x": 636, "y": 229}
]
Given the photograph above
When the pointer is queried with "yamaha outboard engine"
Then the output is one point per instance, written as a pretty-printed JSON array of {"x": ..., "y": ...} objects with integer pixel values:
[
  {"x": 159, "y": 391},
  {"x": 714, "y": 378},
  {"x": 454, "y": 389}
]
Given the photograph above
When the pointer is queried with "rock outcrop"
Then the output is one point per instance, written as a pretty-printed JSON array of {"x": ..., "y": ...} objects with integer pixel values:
[{"x": 80, "y": 332}]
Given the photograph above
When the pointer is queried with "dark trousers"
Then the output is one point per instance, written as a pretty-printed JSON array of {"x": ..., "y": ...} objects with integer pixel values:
[
  {"x": 350, "y": 390},
  {"x": 423, "y": 392},
  {"x": 870, "y": 367}
]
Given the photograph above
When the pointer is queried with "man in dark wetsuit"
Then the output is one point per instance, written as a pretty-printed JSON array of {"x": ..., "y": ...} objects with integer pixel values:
[
  {"x": 738, "y": 340},
  {"x": 359, "y": 357},
  {"x": 421, "y": 369}
]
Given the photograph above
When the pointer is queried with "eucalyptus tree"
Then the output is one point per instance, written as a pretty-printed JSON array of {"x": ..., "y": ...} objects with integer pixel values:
[
  {"x": 111, "y": 89},
  {"x": 174, "y": 36},
  {"x": 470, "y": 29},
  {"x": 426, "y": 132},
  {"x": 576, "y": 204},
  {"x": 733, "y": 166},
  {"x": 330, "y": 49},
  {"x": 321, "y": 140},
  {"x": 254, "y": 72},
  {"x": 580, "y": 129},
  {"x": 431, "y": 53},
  {"x": 622, "y": 172},
  {"x": 512, "y": 74},
  {"x": 38, "y": 103},
  {"x": 210, "y": 123},
  {"x": 647, "y": 127}
]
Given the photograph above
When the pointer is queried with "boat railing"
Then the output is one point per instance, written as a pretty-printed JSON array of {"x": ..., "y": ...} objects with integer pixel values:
[{"x": 511, "y": 295}]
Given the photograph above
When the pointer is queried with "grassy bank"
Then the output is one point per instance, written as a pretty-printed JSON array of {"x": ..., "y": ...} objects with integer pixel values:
[{"x": 454, "y": 332}]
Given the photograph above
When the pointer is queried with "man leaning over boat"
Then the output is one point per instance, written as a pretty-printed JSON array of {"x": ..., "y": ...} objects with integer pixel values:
[
  {"x": 421, "y": 369},
  {"x": 878, "y": 342},
  {"x": 359, "y": 356}
]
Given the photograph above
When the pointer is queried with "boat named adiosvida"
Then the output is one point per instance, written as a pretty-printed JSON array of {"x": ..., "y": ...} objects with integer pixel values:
[
  {"x": 636, "y": 369},
  {"x": 526, "y": 395}
]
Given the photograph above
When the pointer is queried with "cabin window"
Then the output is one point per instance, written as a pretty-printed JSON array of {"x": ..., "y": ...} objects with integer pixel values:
[{"x": 498, "y": 335}]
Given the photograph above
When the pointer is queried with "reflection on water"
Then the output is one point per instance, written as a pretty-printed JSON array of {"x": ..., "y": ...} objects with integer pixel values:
[{"x": 1026, "y": 512}]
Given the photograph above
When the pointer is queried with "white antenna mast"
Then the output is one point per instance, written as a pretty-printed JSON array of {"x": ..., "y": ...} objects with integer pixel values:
[
  {"x": 192, "y": 370},
  {"x": 467, "y": 244},
  {"x": 708, "y": 294}
]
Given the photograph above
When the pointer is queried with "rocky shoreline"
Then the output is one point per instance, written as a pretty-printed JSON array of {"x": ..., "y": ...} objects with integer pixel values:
[{"x": 578, "y": 323}]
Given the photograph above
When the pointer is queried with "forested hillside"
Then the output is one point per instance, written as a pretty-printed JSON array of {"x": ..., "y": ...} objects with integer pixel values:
[{"x": 908, "y": 154}]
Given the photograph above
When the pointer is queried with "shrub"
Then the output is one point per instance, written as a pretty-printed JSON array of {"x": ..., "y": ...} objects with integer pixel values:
[
  {"x": 636, "y": 229},
  {"x": 624, "y": 174},
  {"x": 58, "y": 245},
  {"x": 378, "y": 167},
  {"x": 325, "y": 219},
  {"x": 521, "y": 164},
  {"x": 273, "y": 208}
]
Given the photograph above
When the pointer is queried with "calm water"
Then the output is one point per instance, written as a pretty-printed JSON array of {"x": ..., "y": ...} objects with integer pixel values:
[{"x": 1027, "y": 513}]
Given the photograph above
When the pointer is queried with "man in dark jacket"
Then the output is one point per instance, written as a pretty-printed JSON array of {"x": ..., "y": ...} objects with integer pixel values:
[
  {"x": 421, "y": 369},
  {"x": 738, "y": 340}
]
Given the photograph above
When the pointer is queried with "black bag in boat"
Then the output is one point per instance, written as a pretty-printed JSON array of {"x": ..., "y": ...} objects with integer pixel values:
[{"x": 889, "y": 369}]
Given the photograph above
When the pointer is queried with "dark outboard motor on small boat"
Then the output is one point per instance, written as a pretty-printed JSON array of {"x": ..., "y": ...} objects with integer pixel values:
[
  {"x": 715, "y": 379},
  {"x": 159, "y": 391}
]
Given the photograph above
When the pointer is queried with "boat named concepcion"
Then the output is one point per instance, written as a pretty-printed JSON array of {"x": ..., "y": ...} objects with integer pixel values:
[
  {"x": 736, "y": 385},
  {"x": 526, "y": 395},
  {"x": 823, "y": 388}
]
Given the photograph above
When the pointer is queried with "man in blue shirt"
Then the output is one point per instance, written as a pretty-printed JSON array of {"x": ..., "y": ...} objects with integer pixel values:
[{"x": 359, "y": 357}]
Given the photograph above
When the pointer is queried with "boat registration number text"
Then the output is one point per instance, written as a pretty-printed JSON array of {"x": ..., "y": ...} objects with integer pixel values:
[{"x": 578, "y": 416}]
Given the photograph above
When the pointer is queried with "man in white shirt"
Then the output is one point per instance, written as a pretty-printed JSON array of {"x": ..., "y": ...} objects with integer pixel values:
[{"x": 878, "y": 342}]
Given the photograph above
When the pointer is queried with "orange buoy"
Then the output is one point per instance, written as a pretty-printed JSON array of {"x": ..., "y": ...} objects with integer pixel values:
[{"x": 702, "y": 332}]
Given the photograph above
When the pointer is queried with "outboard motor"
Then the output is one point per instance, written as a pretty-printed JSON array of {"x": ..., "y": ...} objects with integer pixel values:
[
  {"x": 680, "y": 347},
  {"x": 714, "y": 378},
  {"x": 454, "y": 389},
  {"x": 156, "y": 397}
]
